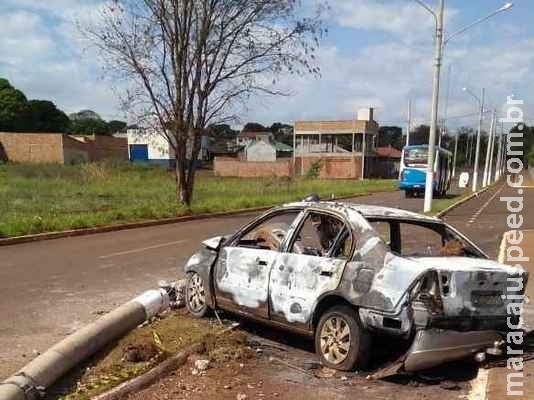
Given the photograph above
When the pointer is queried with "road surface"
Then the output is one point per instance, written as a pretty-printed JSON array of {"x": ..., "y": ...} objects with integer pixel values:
[{"x": 51, "y": 288}]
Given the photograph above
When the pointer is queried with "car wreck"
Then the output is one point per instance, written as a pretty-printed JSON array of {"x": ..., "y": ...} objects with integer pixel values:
[{"x": 343, "y": 272}]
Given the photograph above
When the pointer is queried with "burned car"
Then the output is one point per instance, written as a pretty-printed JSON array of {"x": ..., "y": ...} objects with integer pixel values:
[{"x": 342, "y": 272}]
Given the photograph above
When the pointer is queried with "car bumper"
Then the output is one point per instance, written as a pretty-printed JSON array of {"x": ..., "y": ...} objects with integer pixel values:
[{"x": 433, "y": 347}]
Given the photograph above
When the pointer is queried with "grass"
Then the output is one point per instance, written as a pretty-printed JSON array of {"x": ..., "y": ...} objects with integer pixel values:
[
  {"x": 441, "y": 204},
  {"x": 37, "y": 198}
]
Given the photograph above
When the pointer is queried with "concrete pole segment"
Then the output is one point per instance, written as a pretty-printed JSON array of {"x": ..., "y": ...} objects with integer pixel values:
[{"x": 29, "y": 382}]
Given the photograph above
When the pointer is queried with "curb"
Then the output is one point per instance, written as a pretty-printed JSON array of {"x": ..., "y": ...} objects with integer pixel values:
[
  {"x": 144, "y": 224},
  {"x": 458, "y": 203}
]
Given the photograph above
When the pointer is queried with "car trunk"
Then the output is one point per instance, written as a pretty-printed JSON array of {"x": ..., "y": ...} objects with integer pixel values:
[{"x": 473, "y": 293}]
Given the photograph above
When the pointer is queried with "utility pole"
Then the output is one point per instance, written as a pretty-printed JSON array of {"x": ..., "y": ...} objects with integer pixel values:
[
  {"x": 485, "y": 179},
  {"x": 438, "y": 52},
  {"x": 499, "y": 157},
  {"x": 492, "y": 149},
  {"x": 477, "y": 150},
  {"x": 455, "y": 153},
  {"x": 438, "y": 56},
  {"x": 409, "y": 125}
]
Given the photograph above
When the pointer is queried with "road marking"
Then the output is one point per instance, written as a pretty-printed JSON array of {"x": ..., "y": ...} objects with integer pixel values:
[
  {"x": 141, "y": 249},
  {"x": 487, "y": 203}
]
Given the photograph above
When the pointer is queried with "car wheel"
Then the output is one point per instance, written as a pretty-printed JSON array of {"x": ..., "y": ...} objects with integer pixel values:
[
  {"x": 195, "y": 295},
  {"x": 340, "y": 341},
  {"x": 408, "y": 194}
]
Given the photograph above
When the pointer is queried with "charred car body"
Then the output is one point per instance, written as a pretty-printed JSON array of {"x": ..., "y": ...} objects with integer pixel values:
[{"x": 341, "y": 272}]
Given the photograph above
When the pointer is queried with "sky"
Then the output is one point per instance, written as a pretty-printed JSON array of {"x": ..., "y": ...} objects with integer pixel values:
[{"x": 378, "y": 53}]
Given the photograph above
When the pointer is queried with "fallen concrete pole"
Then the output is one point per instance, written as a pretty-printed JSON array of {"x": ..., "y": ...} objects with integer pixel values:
[{"x": 30, "y": 382}]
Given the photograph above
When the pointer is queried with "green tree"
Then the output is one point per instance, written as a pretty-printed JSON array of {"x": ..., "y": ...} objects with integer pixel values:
[
  {"x": 222, "y": 131},
  {"x": 115, "y": 126},
  {"x": 390, "y": 136},
  {"x": 89, "y": 126},
  {"x": 44, "y": 116},
  {"x": 13, "y": 107}
]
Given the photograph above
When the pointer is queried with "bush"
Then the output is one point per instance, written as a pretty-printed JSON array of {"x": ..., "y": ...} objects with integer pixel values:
[{"x": 315, "y": 169}]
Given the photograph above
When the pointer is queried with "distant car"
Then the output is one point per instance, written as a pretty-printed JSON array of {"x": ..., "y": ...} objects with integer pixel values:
[{"x": 341, "y": 272}]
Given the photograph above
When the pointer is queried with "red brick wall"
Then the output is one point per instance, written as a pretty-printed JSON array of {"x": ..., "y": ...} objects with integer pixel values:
[
  {"x": 332, "y": 167},
  {"x": 226, "y": 166},
  {"x": 108, "y": 147}
]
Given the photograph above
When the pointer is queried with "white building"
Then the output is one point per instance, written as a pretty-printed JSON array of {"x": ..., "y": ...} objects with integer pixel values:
[
  {"x": 149, "y": 146},
  {"x": 260, "y": 151}
]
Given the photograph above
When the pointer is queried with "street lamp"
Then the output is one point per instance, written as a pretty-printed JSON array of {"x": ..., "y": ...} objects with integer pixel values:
[
  {"x": 438, "y": 50},
  {"x": 489, "y": 149},
  {"x": 477, "y": 150}
]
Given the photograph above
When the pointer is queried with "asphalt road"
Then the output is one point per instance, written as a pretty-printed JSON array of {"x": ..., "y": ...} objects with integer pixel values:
[{"x": 51, "y": 288}]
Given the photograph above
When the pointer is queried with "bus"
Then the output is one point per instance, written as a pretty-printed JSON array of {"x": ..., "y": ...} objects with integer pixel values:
[{"x": 412, "y": 174}]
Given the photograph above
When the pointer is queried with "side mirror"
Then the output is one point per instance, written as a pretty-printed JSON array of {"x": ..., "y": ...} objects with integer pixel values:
[{"x": 214, "y": 243}]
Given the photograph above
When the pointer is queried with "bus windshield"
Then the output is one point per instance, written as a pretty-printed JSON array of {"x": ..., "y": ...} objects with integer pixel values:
[{"x": 416, "y": 157}]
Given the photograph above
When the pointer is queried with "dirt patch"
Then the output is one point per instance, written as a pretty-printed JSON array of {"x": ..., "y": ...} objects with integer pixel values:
[
  {"x": 252, "y": 367},
  {"x": 140, "y": 351}
]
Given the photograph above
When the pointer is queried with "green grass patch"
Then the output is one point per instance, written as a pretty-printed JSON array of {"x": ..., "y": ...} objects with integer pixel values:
[
  {"x": 439, "y": 205},
  {"x": 37, "y": 198}
]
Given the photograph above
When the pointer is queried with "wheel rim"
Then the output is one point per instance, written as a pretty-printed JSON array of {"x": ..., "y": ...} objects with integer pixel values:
[
  {"x": 335, "y": 340},
  {"x": 196, "y": 296}
]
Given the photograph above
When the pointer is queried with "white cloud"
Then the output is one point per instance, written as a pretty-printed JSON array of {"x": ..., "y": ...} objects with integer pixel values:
[{"x": 42, "y": 54}]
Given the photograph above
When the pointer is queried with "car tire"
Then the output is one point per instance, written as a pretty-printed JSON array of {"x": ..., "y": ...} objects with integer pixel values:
[
  {"x": 408, "y": 194},
  {"x": 334, "y": 348},
  {"x": 195, "y": 295}
]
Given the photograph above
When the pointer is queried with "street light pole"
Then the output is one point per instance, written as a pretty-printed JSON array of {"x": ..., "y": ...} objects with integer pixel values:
[
  {"x": 499, "y": 158},
  {"x": 492, "y": 149},
  {"x": 438, "y": 52},
  {"x": 455, "y": 153},
  {"x": 409, "y": 122},
  {"x": 485, "y": 179},
  {"x": 438, "y": 55},
  {"x": 477, "y": 150}
]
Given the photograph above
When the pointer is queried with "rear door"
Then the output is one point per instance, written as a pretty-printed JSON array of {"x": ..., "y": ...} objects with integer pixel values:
[
  {"x": 242, "y": 271},
  {"x": 312, "y": 266}
]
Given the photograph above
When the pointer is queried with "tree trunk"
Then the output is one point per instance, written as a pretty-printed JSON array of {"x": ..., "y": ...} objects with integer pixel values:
[{"x": 180, "y": 171}]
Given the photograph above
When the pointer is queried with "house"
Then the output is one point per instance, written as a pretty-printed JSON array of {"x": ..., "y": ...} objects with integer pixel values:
[
  {"x": 245, "y": 136},
  {"x": 385, "y": 164},
  {"x": 152, "y": 147},
  {"x": 260, "y": 150},
  {"x": 340, "y": 146}
]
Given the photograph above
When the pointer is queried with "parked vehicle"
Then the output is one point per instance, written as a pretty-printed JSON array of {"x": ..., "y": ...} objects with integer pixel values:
[
  {"x": 342, "y": 272},
  {"x": 413, "y": 165}
]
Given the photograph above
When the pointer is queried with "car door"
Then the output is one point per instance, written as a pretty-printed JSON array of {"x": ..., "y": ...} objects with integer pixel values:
[
  {"x": 311, "y": 266},
  {"x": 242, "y": 270}
]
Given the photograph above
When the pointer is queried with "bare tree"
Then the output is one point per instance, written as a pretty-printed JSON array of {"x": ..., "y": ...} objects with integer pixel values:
[{"x": 189, "y": 62}]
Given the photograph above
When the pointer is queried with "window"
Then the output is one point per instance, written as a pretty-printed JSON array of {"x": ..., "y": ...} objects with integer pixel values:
[
  {"x": 323, "y": 235},
  {"x": 383, "y": 229},
  {"x": 420, "y": 241},
  {"x": 270, "y": 233}
]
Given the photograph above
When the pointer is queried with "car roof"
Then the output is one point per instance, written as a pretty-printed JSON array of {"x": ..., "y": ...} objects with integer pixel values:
[{"x": 366, "y": 210}]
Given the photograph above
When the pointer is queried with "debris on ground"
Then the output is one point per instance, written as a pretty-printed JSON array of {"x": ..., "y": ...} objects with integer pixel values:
[
  {"x": 176, "y": 292},
  {"x": 140, "y": 352}
]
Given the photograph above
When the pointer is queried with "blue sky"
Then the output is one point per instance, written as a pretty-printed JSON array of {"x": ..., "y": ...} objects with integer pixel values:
[{"x": 377, "y": 53}]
